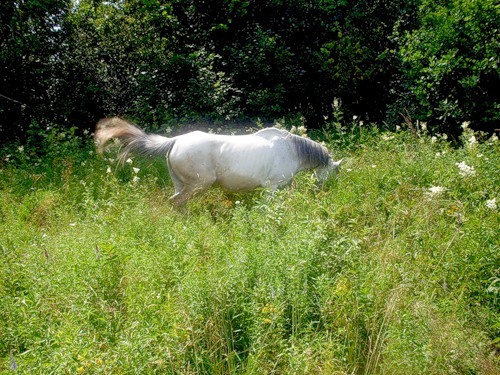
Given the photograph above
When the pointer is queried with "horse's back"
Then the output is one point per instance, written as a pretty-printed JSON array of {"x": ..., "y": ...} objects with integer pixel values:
[
  {"x": 270, "y": 133},
  {"x": 206, "y": 149}
]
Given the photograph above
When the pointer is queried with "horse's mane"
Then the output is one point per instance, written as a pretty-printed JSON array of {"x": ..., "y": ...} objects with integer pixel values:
[{"x": 313, "y": 153}]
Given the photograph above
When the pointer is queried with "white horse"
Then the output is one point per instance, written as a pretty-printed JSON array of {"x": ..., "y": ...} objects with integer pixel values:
[{"x": 268, "y": 158}]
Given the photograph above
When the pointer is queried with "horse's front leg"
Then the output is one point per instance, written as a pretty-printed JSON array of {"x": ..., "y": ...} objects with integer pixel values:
[{"x": 276, "y": 183}]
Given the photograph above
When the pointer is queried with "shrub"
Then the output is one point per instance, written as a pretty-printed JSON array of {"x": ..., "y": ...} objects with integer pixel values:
[{"x": 450, "y": 65}]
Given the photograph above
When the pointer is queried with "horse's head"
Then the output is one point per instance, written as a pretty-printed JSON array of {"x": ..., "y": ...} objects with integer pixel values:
[{"x": 325, "y": 171}]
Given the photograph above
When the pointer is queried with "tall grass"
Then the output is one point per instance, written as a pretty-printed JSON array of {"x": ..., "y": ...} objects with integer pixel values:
[{"x": 393, "y": 267}]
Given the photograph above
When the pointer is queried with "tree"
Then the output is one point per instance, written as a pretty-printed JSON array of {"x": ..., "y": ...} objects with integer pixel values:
[
  {"x": 450, "y": 64},
  {"x": 30, "y": 36}
]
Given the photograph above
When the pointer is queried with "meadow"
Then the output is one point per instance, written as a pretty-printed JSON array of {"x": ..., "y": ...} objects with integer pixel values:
[{"x": 393, "y": 267}]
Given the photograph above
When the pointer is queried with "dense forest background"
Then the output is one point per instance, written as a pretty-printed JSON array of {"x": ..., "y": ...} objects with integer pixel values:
[{"x": 70, "y": 62}]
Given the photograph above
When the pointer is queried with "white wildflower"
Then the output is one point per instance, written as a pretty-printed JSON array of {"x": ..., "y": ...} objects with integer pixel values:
[
  {"x": 387, "y": 137},
  {"x": 336, "y": 103},
  {"x": 72, "y": 224},
  {"x": 494, "y": 138},
  {"x": 423, "y": 126},
  {"x": 135, "y": 179},
  {"x": 108, "y": 170},
  {"x": 465, "y": 125},
  {"x": 128, "y": 161},
  {"x": 472, "y": 140},
  {"x": 434, "y": 139},
  {"x": 354, "y": 117},
  {"x": 398, "y": 128},
  {"x": 434, "y": 191},
  {"x": 20, "y": 149},
  {"x": 492, "y": 204},
  {"x": 465, "y": 170},
  {"x": 136, "y": 170}
]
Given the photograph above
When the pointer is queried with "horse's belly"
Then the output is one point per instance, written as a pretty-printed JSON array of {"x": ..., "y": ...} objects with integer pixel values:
[
  {"x": 240, "y": 181},
  {"x": 252, "y": 178}
]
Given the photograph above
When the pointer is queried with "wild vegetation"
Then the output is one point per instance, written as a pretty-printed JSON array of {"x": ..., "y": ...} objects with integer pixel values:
[
  {"x": 393, "y": 267},
  {"x": 70, "y": 63}
]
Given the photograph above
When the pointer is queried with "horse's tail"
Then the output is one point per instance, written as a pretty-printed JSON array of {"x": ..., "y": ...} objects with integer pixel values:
[{"x": 133, "y": 139}]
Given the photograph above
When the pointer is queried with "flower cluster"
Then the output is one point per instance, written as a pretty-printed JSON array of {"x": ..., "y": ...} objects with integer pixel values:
[
  {"x": 135, "y": 170},
  {"x": 299, "y": 130},
  {"x": 466, "y": 170},
  {"x": 492, "y": 204},
  {"x": 434, "y": 191},
  {"x": 129, "y": 161}
]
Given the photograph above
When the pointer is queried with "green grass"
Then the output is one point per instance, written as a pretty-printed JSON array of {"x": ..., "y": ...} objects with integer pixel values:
[{"x": 369, "y": 274}]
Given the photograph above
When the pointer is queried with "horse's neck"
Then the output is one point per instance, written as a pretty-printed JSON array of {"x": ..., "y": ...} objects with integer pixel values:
[
  {"x": 305, "y": 164},
  {"x": 304, "y": 151}
]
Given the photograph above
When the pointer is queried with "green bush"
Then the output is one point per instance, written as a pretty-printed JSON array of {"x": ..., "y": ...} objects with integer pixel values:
[{"x": 450, "y": 64}]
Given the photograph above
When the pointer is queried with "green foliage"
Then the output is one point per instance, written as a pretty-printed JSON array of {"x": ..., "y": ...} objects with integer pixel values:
[
  {"x": 390, "y": 268},
  {"x": 450, "y": 64},
  {"x": 157, "y": 61},
  {"x": 30, "y": 40}
]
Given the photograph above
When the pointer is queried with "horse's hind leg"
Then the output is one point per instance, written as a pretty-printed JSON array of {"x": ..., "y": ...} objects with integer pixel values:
[
  {"x": 180, "y": 198},
  {"x": 188, "y": 183},
  {"x": 187, "y": 191},
  {"x": 182, "y": 192}
]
